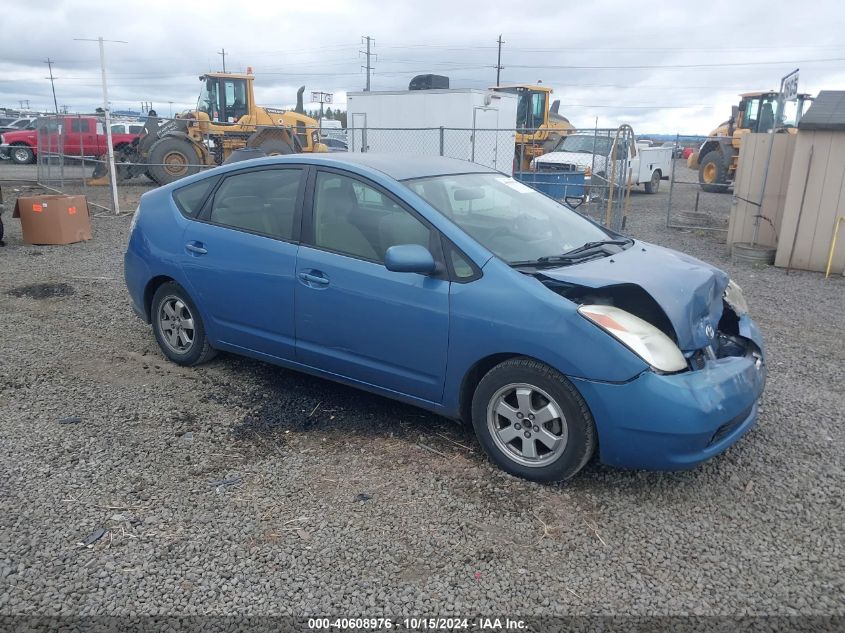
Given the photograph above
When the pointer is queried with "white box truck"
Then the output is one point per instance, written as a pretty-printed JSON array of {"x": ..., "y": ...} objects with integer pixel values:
[{"x": 468, "y": 124}]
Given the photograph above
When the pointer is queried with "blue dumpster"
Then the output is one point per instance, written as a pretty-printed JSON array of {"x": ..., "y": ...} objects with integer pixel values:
[{"x": 555, "y": 184}]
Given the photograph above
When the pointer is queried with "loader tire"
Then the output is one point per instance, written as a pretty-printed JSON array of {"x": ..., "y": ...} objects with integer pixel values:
[
  {"x": 275, "y": 147},
  {"x": 713, "y": 172},
  {"x": 172, "y": 159}
]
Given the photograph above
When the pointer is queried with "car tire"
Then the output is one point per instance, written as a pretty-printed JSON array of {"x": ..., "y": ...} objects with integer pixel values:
[
  {"x": 21, "y": 154},
  {"x": 559, "y": 440},
  {"x": 653, "y": 185},
  {"x": 178, "y": 326}
]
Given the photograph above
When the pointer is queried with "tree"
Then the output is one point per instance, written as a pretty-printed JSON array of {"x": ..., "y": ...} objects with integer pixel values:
[{"x": 329, "y": 114}]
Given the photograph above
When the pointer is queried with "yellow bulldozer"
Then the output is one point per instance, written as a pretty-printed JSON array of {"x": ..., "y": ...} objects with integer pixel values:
[
  {"x": 226, "y": 119},
  {"x": 718, "y": 156},
  {"x": 539, "y": 125}
]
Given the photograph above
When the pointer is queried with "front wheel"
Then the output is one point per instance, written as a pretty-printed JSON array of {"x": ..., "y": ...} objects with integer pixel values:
[
  {"x": 178, "y": 327},
  {"x": 713, "y": 172},
  {"x": 171, "y": 159},
  {"x": 21, "y": 155},
  {"x": 532, "y": 422}
]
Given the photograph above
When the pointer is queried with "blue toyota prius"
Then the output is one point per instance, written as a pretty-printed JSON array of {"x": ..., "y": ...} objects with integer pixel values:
[{"x": 455, "y": 288}]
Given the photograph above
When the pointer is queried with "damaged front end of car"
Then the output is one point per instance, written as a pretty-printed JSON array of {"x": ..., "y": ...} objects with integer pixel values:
[{"x": 705, "y": 357}]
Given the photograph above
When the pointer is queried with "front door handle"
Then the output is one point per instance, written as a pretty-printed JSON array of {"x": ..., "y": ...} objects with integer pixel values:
[
  {"x": 311, "y": 278},
  {"x": 195, "y": 247}
]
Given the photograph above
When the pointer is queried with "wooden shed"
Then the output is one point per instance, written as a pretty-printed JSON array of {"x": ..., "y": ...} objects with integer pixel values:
[{"x": 815, "y": 197}]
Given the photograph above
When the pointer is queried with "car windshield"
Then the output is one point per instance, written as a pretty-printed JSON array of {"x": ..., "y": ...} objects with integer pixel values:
[
  {"x": 585, "y": 143},
  {"x": 515, "y": 222}
]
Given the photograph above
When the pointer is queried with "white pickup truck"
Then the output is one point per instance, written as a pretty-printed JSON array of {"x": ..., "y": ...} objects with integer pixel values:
[{"x": 592, "y": 154}]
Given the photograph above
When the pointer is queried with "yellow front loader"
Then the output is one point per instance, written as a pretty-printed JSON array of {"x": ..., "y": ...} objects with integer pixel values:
[
  {"x": 539, "y": 125},
  {"x": 718, "y": 156},
  {"x": 226, "y": 119}
]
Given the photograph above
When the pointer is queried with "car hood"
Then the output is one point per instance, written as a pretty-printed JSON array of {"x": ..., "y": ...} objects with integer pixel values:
[
  {"x": 688, "y": 290},
  {"x": 575, "y": 158}
]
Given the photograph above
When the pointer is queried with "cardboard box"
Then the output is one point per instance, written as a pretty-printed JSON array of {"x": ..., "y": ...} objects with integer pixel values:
[{"x": 53, "y": 219}]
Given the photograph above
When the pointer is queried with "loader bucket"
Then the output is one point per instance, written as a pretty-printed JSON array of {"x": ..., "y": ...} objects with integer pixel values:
[{"x": 102, "y": 181}]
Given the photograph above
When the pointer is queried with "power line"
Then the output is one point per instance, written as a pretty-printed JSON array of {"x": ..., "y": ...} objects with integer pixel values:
[{"x": 680, "y": 66}]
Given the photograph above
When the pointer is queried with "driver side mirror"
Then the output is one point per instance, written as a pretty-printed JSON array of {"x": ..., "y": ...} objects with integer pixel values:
[{"x": 409, "y": 258}]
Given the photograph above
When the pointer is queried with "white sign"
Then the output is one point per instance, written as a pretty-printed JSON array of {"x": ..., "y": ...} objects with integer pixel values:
[
  {"x": 790, "y": 87},
  {"x": 321, "y": 97}
]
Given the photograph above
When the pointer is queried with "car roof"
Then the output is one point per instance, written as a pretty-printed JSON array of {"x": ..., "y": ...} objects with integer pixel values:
[{"x": 397, "y": 166}]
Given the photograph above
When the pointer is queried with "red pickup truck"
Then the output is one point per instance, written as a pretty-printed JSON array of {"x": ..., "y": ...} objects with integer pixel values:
[{"x": 70, "y": 135}]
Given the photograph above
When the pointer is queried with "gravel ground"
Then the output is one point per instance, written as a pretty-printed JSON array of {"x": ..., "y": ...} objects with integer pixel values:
[{"x": 242, "y": 488}]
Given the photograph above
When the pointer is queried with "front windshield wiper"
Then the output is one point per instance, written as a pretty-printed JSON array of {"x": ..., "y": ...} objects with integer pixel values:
[{"x": 585, "y": 251}]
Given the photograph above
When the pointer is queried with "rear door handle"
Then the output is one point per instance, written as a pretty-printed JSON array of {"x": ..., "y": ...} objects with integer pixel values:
[
  {"x": 195, "y": 247},
  {"x": 311, "y": 278}
]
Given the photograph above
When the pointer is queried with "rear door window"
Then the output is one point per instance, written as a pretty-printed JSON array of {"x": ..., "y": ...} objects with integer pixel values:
[
  {"x": 189, "y": 199},
  {"x": 260, "y": 201}
]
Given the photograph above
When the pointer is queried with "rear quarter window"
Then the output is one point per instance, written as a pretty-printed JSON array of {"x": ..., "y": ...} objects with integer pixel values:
[{"x": 190, "y": 199}]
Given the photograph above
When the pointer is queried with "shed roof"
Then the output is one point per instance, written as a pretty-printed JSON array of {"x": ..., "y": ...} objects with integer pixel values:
[{"x": 826, "y": 113}]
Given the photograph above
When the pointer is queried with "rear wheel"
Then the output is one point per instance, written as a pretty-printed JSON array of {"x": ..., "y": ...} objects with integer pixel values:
[
  {"x": 654, "y": 184},
  {"x": 171, "y": 159},
  {"x": 178, "y": 327},
  {"x": 713, "y": 172},
  {"x": 532, "y": 422},
  {"x": 21, "y": 155}
]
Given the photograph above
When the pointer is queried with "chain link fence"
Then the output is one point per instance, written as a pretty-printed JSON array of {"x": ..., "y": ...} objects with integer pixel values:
[
  {"x": 698, "y": 199},
  {"x": 593, "y": 170}
]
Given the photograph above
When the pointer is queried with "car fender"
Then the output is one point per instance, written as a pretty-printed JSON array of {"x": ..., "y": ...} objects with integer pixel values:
[{"x": 530, "y": 320}]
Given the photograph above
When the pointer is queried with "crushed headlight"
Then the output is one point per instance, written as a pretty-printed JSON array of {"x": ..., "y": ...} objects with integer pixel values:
[
  {"x": 735, "y": 299},
  {"x": 641, "y": 337}
]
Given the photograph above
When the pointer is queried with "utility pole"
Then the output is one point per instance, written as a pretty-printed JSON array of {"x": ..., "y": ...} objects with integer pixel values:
[
  {"x": 107, "y": 110},
  {"x": 49, "y": 63},
  {"x": 222, "y": 52},
  {"x": 369, "y": 67},
  {"x": 22, "y": 102},
  {"x": 499, "y": 66}
]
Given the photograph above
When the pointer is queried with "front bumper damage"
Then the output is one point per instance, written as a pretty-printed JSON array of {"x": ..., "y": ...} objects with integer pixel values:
[{"x": 677, "y": 421}]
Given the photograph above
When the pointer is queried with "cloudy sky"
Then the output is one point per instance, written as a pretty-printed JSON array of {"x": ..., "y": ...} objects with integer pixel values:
[{"x": 662, "y": 67}]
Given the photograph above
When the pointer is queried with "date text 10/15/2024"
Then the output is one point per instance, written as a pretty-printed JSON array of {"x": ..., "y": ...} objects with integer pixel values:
[{"x": 417, "y": 624}]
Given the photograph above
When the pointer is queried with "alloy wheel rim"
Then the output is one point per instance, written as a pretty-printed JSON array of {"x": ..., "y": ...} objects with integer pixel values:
[
  {"x": 176, "y": 325},
  {"x": 21, "y": 155},
  {"x": 527, "y": 425}
]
